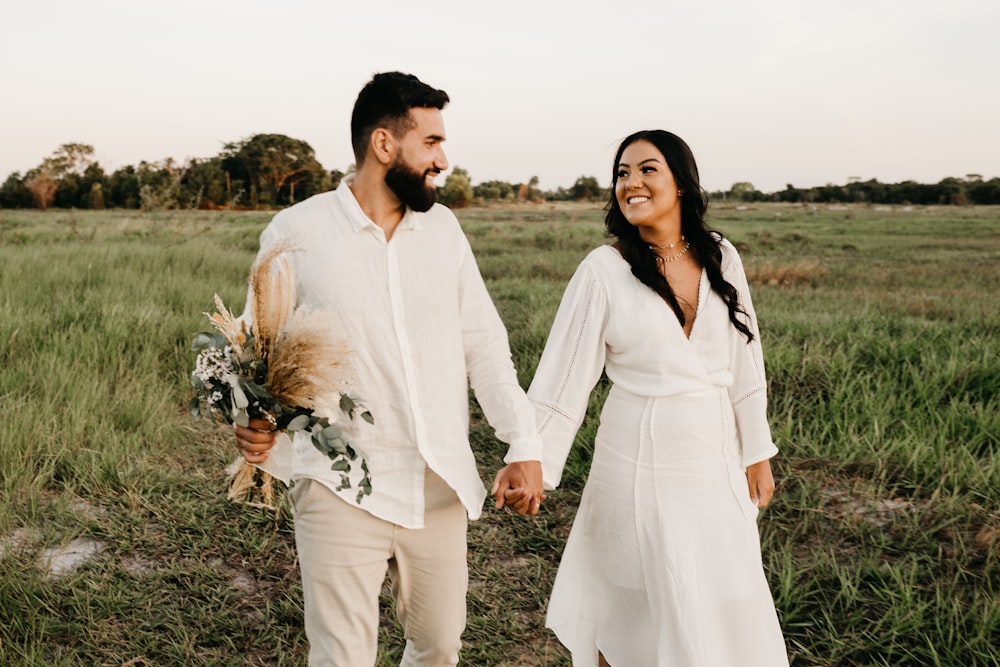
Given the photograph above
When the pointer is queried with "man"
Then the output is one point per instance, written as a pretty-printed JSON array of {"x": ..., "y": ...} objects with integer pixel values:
[{"x": 398, "y": 274}]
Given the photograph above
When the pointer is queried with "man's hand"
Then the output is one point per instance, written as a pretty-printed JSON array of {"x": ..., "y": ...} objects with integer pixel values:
[
  {"x": 518, "y": 485},
  {"x": 761, "y": 483},
  {"x": 255, "y": 441}
]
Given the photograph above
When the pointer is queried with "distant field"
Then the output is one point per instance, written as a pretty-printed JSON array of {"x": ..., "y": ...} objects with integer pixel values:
[{"x": 882, "y": 340}]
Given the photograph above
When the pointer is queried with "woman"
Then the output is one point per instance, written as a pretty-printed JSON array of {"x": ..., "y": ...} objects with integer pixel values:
[{"x": 663, "y": 564}]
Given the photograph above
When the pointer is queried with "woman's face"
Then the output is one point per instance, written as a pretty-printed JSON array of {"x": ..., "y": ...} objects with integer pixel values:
[{"x": 645, "y": 187}]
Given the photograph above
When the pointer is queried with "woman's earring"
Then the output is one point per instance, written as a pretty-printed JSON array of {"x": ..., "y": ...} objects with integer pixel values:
[{"x": 680, "y": 193}]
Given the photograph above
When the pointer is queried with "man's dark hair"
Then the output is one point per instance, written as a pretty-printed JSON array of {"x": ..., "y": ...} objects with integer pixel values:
[{"x": 385, "y": 101}]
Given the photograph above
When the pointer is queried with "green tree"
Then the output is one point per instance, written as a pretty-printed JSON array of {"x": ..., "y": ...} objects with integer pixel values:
[
  {"x": 586, "y": 188},
  {"x": 123, "y": 188},
  {"x": 952, "y": 191},
  {"x": 204, "y": 184},
  {"x": 985, "y": 192},
  {"x": 791, "y": 194},
  {"x": 15, "y": 194},
  {"x": 160, "y": 185},
  {"x": 71, "y": 159},
  {"x": 274, "y": 166},
  {"x": 92, "y": 175},
  {"x": 67, "y": 191},
  {"x": 745, "y": 191},
  {"x": 493, "y": 190},
  {"x": 457, "y": 189}
]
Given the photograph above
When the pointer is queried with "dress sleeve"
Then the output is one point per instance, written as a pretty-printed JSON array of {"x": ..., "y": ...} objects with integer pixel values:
[
  {"x": 571, "y": 364},
  {"x": 748, "y": 392}
]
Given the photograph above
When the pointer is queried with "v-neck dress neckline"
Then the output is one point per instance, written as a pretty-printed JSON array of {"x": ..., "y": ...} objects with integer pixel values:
[{"x": 702, "y": 284}]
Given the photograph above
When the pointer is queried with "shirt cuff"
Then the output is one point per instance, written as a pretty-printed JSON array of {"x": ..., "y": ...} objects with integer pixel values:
[{"x": 524, "y": 450}]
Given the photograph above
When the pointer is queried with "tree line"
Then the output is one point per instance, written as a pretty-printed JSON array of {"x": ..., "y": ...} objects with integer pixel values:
[
  {"x": 262, "y": 171},
  {"x": 972, "y": 189},
  {"x": 267, "y": 171}
]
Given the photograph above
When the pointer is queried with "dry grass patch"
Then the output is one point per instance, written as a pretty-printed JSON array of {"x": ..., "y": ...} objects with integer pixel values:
[{"x": 787, "y": 275}]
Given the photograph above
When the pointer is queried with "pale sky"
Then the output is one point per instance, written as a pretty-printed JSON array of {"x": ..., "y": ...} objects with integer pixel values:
[{"x": 806, "y": 92}]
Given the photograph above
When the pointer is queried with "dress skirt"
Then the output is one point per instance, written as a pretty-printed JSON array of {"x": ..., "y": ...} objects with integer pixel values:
[{"x": 662, "y": 567}]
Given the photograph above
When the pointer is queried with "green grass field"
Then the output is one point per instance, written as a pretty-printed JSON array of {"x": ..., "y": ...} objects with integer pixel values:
[{"x": 882, "y": 339}]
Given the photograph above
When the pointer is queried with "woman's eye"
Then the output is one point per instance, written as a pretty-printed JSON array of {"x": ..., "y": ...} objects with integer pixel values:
[
  {"x": 622, "y": 173},
  {"x": 648, "y": 170}
]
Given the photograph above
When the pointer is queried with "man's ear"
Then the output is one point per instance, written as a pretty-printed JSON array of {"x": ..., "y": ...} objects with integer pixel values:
[{"x": 383, "y": 145}]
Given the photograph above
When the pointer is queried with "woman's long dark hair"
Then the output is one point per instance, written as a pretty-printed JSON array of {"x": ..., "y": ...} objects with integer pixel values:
[{"x": 705, "y": 242}]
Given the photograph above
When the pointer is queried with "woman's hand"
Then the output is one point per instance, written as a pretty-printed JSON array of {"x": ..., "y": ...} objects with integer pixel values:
[
  {"x": 519, "y": 486},
  {"x": 761, "y": 483},
  {"x": 255, "y": 441}
]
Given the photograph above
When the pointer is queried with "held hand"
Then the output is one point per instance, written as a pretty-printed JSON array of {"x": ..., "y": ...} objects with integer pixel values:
[
  {"x": 255, "y": 441},
  {"x": 518, "y": 485},
  {"x": 761, "y": 483},
  {"x": 520, "y": 501}
]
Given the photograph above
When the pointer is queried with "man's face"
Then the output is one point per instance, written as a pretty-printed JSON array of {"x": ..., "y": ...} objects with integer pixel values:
[{"x": 419, "y": 159}]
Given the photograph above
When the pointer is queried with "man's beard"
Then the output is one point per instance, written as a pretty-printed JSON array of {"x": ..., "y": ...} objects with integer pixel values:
[{"x": 410, "y": 186}]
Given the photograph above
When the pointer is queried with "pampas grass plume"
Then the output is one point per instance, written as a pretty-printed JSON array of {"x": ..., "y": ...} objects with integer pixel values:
[
  {"x": 307, "y": 360},
  {"x": 272, "y": 286}
]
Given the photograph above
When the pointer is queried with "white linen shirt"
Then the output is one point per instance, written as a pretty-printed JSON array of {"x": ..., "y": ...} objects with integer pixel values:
[
  {"x": 610, "y": 322},
  {"x": 421, "y": 327}
]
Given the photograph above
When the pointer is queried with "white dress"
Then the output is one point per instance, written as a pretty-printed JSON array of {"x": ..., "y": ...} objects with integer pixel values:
[{"x": 662, "y": 567}]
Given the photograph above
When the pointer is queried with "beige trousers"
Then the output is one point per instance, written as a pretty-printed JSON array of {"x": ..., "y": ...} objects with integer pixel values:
[{"x": 344, "y": 556}]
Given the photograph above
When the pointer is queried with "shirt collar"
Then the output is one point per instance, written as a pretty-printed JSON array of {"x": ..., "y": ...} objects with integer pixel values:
[{"x": 357, "y": 217}]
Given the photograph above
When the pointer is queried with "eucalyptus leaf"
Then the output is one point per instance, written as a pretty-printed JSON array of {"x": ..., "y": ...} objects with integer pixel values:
[
  {"x": 256, "y": 390},
  {"x": 240, "y": 401},
  {"x": 347, "y": 403},
  {"x": 367, "y": 416},
  {"x": 207, "y": 339},
  {"x": 320, "y": 442},
  {"x": 332, "y": 431},
  {"x": 341, "y": 465},
  {"x": 298, "y": 423}
]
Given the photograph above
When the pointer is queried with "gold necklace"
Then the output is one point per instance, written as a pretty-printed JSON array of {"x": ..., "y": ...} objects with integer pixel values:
[
  {"x": 661, "y": 259},
  {"x": 669, "y": 246}
]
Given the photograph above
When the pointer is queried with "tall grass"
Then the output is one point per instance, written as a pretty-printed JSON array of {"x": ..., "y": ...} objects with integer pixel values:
[{"x": 881, "y": 340}]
